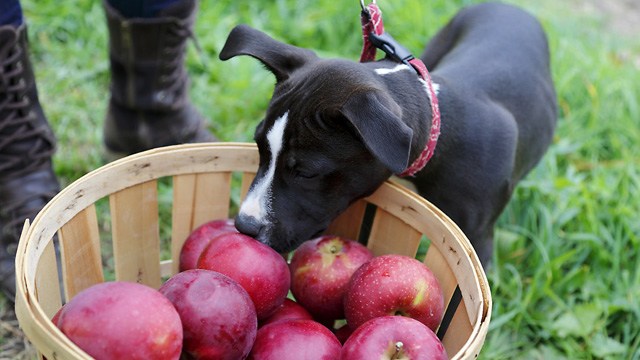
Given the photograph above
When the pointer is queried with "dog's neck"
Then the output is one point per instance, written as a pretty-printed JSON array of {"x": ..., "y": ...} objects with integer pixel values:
[{"x": 413, "y": 95}]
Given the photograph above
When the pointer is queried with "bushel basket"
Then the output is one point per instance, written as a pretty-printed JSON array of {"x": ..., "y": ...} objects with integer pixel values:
[{"x": 128, "y": 220}]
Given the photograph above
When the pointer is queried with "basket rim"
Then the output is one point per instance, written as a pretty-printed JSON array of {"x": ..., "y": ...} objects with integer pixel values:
[{"x": 36, "y": 235}]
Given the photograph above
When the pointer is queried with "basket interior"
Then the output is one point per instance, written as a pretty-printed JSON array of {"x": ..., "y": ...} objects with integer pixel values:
[{"x": 136, "y": 233}]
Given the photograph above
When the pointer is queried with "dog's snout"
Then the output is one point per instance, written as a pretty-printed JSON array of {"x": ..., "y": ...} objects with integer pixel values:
[{"x": 248, "y": 225}]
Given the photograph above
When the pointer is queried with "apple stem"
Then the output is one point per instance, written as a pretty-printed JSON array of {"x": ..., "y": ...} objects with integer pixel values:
[{"x": 398, "y": 353}]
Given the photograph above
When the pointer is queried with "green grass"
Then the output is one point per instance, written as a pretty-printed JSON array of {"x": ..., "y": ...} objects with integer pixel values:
[{"x": 566, "y": 273}]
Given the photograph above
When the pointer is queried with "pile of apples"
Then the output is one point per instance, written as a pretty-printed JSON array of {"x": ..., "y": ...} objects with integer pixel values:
[{"x": 232, "y": 300}]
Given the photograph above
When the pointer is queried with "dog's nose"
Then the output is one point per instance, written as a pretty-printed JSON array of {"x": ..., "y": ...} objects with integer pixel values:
[{"x": 248, "y": 225}]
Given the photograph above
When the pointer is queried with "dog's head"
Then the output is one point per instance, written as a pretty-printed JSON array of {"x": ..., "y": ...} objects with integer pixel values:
[{"x": 331, "y": 135}]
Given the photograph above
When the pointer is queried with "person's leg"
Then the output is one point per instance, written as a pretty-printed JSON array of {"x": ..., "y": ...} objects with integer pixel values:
[
  {"x": 10, "y": 13},
  {"x": 141, "y": 8},
  {"x": 149, "y": 104},
  {"x": 27, "y": 180}
]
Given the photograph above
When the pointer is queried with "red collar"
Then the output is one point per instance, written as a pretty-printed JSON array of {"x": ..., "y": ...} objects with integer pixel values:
[{"x": 375, "y": 38}]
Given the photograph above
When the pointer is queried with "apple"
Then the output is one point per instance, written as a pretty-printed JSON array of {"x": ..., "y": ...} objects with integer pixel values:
[
  {"x": 295, "y": 340},
  {"x": 122, "y": 320},
  {"x": 343, "y": 333},
  {"x": 56, "y": 316},
  {"x": 394, "y": 285},
  {"x": 259, "y": 269},
  {"x": 289, "y": 310},
  {"x": 320, "y": 272},
  {"x": 200, "y": 238},
  {"x": 393, "y": 338},
  {"x": 218, "y": 317}
]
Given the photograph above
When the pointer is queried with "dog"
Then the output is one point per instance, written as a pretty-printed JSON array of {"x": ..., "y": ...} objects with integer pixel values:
[{"x": 336, "y": 129}]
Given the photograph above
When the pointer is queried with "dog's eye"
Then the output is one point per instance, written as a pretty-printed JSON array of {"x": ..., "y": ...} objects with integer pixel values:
[
  {"x": 307, "y": 169},
  {"x": 302, "y": 173},
  {"x": 305, "y": 174}
]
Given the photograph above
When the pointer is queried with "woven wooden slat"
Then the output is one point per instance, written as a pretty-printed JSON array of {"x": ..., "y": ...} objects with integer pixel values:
[
  {"x": 439, "y": 266},
  {"x": 391, "y": 235},
  {"x": 80, "y": 251},
  {"x": 247, "y": 178},
  {"x": 47, "y": 281},
  {"x": 136, "y": 239},
  {"x": 459, "y": 332},
  {"x": 197, "y": 199}
]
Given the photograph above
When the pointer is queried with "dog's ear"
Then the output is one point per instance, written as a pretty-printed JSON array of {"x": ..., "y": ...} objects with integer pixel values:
[
  {"x": 377, "y": 119},
  {"x": 280, "y": 58}
]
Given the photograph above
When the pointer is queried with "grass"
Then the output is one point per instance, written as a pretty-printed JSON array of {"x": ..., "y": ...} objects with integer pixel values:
[{"x": 566, "y": 272}]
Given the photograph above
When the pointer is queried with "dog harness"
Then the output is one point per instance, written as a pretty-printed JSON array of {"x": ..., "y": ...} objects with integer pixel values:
[{"x": 375, "y": 38}]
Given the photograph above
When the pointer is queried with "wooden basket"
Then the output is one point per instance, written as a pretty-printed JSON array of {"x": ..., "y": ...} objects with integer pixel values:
[{"x": 395, "y": 221}]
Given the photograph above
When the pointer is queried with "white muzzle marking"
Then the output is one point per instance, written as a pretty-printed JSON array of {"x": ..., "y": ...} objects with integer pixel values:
[{"x": 258, "y": 201}]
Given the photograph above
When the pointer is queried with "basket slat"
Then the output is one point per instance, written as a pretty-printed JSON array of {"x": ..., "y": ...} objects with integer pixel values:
[
  {"x": 136, "y": 238},
  {"x": 47, "y": 281},
  {"x": 453, "y": 341},
  {"x": 80, "y": 251},
  {"x": 343, "y": 224},
  {"x": 390, "y": 235},
  {"x": 213, "y": 191},
  {"x": 181, "y": 214},
  {"x": 438, "y": 265},
  {"x": 247, "y": 178},
  {"x": 197, "y": 198}
]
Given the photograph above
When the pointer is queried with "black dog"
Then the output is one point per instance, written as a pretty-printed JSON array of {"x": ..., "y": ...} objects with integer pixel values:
[{"x": 336, "y": 129}]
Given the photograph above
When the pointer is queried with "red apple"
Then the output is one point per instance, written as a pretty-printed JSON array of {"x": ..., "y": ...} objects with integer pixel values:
[
  {"x": 289, "y": 310},
  {"x": 56, "y": 316},
  {"x": 200, "y": 238},
  {"x": 295, "y": 340},
  {"x": 394, "y": 285},
  {"x": 393, "y": 337},
  {"x": 122, "y": 320},
  {"x": 343, "y": 333},
  {"x": 320, "y": 272},
  {"x": 218, "y": 317},
  {"x": 259, "y": 269}
]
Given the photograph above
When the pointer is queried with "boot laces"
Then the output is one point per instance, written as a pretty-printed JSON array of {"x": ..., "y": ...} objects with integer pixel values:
[
  {"x": 175, "y": 53},
  {"x": 18, "y": 122}
]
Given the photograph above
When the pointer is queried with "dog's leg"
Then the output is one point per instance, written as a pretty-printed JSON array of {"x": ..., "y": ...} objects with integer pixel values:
[{"x": 484, "y": 247}]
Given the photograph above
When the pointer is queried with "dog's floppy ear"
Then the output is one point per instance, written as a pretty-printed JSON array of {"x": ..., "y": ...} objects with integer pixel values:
[
  {"x": 376, "y": 118},
  {"x": 278, "y": 57}
]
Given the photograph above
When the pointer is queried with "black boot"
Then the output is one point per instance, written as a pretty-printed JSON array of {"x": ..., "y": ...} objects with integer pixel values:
[
  {"x": 27, "y": 181},
  {"x": 149, "y": 105}
]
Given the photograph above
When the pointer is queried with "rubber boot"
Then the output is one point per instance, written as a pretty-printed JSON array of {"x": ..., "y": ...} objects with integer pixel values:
[
  {"x": 27, "y": 180},
  {"x": 149, "y": 105}
]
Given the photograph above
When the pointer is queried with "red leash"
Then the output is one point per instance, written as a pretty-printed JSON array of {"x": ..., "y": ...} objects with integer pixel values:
[{"x": 375, "y": 38}]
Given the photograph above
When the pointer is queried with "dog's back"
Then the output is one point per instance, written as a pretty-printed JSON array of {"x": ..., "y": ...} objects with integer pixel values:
[
  {"x": 498, "y": 108},
  {"x": 500, "y": 53}
]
